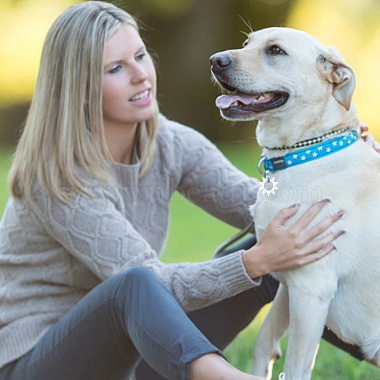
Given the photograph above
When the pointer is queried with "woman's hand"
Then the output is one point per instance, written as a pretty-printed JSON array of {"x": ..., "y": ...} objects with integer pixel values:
[
  {"x": 369, "y": 138},
  {"x": 281, "y": 248}
]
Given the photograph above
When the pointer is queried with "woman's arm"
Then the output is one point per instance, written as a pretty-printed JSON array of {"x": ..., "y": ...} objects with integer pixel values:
[
  {"x": 212, "y": 182},
  {"x": 98, "y": 234}
]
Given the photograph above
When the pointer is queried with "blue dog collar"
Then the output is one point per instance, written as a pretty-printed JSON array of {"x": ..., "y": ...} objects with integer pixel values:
[{"x": 308, "y": 154}]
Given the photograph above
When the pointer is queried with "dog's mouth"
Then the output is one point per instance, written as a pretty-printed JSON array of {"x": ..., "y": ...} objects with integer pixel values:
[{"x": 241, "y": 105}]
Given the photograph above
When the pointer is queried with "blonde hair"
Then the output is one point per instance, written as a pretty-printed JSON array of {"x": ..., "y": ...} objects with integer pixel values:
[{"x": 64, "y": 127}]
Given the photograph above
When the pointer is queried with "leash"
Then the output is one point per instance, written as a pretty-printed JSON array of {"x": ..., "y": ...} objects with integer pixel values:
[
  {"x": 308, "y": 154},
  {"x": 234, "y": 238}
]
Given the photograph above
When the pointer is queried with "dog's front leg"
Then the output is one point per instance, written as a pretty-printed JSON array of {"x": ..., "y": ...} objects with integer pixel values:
[
  {"x": 308, "y": 314},
  {"x": 267, "y": 346}
]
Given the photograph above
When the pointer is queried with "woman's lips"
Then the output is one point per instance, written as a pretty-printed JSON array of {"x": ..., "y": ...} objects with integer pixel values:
[{"x": 142, "y": 98}]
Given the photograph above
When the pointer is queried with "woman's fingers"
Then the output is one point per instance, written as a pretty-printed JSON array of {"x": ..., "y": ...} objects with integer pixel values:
[
  {"x": 317, "y": 255},
  {"x": 323, "y": 225},
  {"x": 319, "y": 244},
  {"x": 309, "y": 216},
  {"x": 284, "y": 215},
  {"x": 317, "y": 249},
  {"x": 369, "y": 138},
  {"x": 293, "y": 246},
  {"x": 364, "y": 127}
]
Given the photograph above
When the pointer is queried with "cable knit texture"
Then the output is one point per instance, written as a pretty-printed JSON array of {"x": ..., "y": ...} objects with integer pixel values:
[{"x": 52, "y": 254}]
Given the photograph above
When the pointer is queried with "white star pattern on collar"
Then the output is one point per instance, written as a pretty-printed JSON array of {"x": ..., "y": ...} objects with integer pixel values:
[{"x": 311, "y": 153}]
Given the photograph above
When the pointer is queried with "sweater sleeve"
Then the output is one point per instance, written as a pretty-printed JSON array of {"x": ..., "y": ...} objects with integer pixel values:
[
  {"x": 96, "y": 232},
  {"x": 211, "y": 182}
]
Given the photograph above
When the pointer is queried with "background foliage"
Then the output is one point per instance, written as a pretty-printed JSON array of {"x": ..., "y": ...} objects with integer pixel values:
[{"x": 182, "y": 34}]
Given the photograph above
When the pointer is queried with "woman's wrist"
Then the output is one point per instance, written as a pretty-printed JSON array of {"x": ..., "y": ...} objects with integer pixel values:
[{"x": 254, "y": 266}]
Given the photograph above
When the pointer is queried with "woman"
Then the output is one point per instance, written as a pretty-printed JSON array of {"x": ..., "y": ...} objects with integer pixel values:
[{"x": 83, "y": 293}]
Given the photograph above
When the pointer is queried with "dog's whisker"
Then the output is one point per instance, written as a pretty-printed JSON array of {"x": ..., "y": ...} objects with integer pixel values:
[{"x": 247, "y": 24}]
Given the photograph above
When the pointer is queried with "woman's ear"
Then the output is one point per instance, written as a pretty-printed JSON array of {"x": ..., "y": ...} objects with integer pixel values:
[{"x": 338, "y": 72}]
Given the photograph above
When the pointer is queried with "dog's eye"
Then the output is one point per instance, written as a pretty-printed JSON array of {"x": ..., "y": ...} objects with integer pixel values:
[
  {"x": 245, "y": 43},
  {"x": 275, "y": 50}
]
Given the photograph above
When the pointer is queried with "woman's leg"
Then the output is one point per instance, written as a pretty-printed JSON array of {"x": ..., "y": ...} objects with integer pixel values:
[
  {"x": 222, "y": 321},
  {"x": 104, "y": 334}
]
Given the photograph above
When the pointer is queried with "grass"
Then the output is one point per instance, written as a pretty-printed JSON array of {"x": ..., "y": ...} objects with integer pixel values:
[
  {"x": 194, "y": 235},
  {"x": 5, "y": 162}
]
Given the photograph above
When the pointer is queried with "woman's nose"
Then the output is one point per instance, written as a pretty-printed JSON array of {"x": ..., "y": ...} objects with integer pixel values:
[{"x": 139, "y": 74}]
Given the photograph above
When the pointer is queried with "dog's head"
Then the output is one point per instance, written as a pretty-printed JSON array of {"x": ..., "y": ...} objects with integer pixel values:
[{"x": 284, "y": 75}]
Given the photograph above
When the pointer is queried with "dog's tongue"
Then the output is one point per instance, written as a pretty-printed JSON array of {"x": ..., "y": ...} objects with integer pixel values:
[{"x": 225, "y": 101}]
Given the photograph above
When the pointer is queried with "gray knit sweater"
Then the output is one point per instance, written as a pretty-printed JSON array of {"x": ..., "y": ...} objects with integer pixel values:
[{"x": 52, "y": 254}]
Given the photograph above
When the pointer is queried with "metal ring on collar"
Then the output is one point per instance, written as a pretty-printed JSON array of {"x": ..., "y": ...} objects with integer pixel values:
[{"x": 259, "y": 165}]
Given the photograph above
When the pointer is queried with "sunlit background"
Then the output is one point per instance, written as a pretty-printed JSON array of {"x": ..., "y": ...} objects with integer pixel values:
[{"x": 184, "y": 33}]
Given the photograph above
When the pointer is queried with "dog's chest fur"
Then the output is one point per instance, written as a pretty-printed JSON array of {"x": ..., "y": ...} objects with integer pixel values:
[{"x": 350, "y": 179}]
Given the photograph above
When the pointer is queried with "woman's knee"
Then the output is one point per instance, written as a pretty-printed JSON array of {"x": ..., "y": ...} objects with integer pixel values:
[
  {"x": 136, "y": 282},
  {"x": 140, "y": 276}
]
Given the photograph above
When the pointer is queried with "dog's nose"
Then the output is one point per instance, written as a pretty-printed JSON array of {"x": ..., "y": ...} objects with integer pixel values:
[{"x": 220, "y": 62}]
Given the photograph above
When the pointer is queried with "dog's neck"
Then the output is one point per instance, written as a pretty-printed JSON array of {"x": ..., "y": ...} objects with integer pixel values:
[
  {"x": 334, "y": 143},
  {"x": 290, "y": 133},
  {"x": 311, "y": 141}
]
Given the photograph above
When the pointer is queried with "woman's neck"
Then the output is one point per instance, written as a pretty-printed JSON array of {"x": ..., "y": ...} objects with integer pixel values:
[{"x": 120, "y": 143}]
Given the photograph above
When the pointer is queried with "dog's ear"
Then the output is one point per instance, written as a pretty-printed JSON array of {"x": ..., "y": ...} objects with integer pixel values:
[{"x": 338, "y": 72}]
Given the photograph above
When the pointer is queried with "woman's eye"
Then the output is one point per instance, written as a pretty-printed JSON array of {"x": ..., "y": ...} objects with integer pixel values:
[
  {"x": 115, "y": 69},
  {"x": 140, "y": 56},
  {"x": 275, "y": 50}
]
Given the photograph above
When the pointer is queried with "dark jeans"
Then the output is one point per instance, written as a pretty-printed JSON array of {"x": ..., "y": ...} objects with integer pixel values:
[
  {"x": 128, "y": 316},
  {"x": 222, "y": 321}
]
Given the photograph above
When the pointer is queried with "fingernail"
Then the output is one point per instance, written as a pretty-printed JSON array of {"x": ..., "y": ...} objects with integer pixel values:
[
  {"x": 326, "y": 200},
  {"x": 294, "y": 205},
  {"x": 341, "y": 232},
  {"x": 340, "y": 214}
]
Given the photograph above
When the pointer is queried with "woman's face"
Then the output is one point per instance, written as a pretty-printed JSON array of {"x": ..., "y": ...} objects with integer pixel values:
[{"x": 129, "y": 86}]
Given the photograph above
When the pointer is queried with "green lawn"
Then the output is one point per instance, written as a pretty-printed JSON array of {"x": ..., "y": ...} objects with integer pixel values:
[
  {"x": 5, "y": 162},
  {"x": 194, "y": 235}
]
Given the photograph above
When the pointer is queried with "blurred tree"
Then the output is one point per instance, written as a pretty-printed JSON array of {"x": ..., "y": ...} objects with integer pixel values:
[
  {"x": 24, "y": 24},
  {"x": 353, "y": 27},
  {"x": 183, "y": 34}
]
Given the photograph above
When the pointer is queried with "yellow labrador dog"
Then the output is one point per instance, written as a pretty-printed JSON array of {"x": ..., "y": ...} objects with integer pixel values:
[{"x": 301, "y": 93}]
